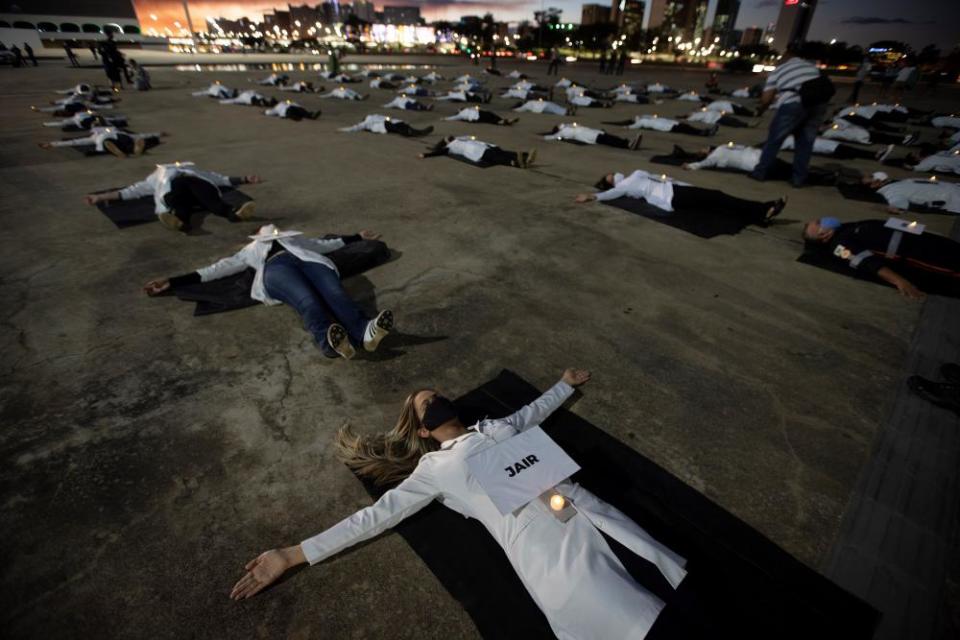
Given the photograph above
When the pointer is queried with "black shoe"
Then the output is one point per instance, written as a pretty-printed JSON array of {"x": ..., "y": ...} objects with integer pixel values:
[
  {"x": 942, "y": 394},
  {"x": 950, "y": 372}
]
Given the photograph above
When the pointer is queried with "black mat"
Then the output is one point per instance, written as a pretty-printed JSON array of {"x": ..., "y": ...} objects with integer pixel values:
[
  {"x": 233, "y": 292},
  {"x": 705, "y": 224},
  {"x": 740, "y": 584},
  {"x": 926, "y": 281},
  {"x": 129, "y": 213}
]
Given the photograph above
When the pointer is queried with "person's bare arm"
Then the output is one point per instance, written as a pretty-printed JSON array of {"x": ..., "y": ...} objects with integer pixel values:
[
  {"x": 107, "y": 196},
  {"x": 766, "y": 99},
  {"x": 265, "y": 569},
  {"x": 904, "y": 286}
]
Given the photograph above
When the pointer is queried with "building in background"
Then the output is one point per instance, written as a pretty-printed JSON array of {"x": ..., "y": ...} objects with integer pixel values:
[
  {"x": 682, "y": 19},
  {"x": 751, "y": 37},
  {"x": 75, "y": 17},
  {"x": 401, "y": 15},
  {"x": 723, "y": 20},
  {"x": 793, "y": 23},
  {"x": 363, "y": 10},
  {"x": 591, "y": 14},
  {"x": 630, "y": 19}
]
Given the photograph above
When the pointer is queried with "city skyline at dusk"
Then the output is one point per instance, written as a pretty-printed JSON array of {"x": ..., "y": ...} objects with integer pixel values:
[{"x": 845, "y": 20}]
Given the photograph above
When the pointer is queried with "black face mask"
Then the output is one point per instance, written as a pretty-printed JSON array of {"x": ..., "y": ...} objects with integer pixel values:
[{"x": 440, "y": 411}]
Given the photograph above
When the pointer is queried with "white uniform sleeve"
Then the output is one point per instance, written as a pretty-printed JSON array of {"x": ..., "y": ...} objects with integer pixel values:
[
  {"x": 141, "y": 189},
  {"x": 73, "y": 142},
  {"x": 407, "y": 498},
  {"x": 324, "y": 245},
  {"x": 357, "y": 127},
  {"x": 223, "y": 268},
  {"x": 541, "y": 408},
  {"x": 611, "y": 194},
  {"x": 898, "y": 200}
]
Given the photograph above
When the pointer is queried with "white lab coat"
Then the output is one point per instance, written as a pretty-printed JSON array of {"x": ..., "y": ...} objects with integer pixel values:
[
  {"x": 513, "y": 92},
  {"x": 272, "y": 80},
  {"x": 741, "y": 93},
  {"x": 657, "y": 88},
  {"x": 280, "y": 109},
  {"x": 575, "y": 132},
  {"x": 468, "y": 147},
  {"x": 568, "y": 568},
  {"x": 691, "y": 96},
  {"x": 705, "y": 115},
  {"x": 373, "y": 123},
  {"x": 215, "y": 90},
  {"x": 342, "y": 93},
  {"x": 626, "y": 97},
  {"x": 902, "y": 193},
  {"x": 721, "y": 105},
  {"x": 841, "y": 129},
  {"x": 942, "y": 161},
  {"x": 542, "y": 106},
  {"x": 400, "y": 102},
  {"x": 727, "y": 157},
  {"x": 254, "y": 255},
  {"x": 157, "y": 184},
  {"x": 581, "y": 100},
  {"x": 653, "y": 122},
  {"x": 821, "y": 146},
  {"x": 245, "y": 97},
  {"x": 656, "y": 190},
  {"x": 468, "y": 114}
]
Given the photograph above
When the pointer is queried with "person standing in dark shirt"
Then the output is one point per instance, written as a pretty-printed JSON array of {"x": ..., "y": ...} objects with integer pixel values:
[
  {"x": 871, "y": 247},
  {"x": 29, "y": 50},
  {"x": 71, "y": 56},
  {"x": 17, "y": 56}
]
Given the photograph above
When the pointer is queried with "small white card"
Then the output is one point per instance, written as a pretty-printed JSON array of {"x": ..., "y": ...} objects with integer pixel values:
[
  {"x": 517, "y": 470},
  {"x": 907, "y": 226}
]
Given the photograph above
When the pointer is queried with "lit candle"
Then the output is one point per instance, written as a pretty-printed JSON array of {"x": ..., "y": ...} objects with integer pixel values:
[
  {"x": 912, "y": 224},
  {"x": 730, "y": 144},
  {"x": 276, "y": 232},
  {"x": 557, "y": 502},
  {"x": 663, "y": 176},
  {"x": 933, "y": 178}
]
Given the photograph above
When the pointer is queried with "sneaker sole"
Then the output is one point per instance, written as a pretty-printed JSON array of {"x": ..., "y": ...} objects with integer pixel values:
[
  {"x": 382, "y": 326},
  {"x": 338, "y": 341},
  {"x": 170, "y": 221}
]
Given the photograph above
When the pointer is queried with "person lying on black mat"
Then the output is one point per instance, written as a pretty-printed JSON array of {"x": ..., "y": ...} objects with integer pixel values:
[
  {"x": 712, "y": 117},
  {"x": 664, "y": 193},
  {"x": 735, "y": 157},
  {"x": 291, "y": 111},
  {"x": 216, "y": 90},
  {"x": 300, "y": 87},
  {"x": 406, "y": 103},
  {"x": 292, "y": 269},
  {"x": 72, "y": 105},
  {"x": 655, "y": 122},
  {"x": 274, "y": 80},
  {"x": 476, "y": 114},
  {"x": 177, "y": 189},
  {"x": 874, "y": 248},
  {"x": 118, "y": 142},
  {"x": 586, "y": 593},
  {"x": 901, "y": 194},
  {"x": 251, "y": 98},
  {"x": 482, "y": 154}
]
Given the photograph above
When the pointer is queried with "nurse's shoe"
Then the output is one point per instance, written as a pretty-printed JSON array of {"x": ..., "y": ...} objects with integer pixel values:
[
  {"x": 377, "y": 330},
  {"x": 114, "y": 149},
  {"x": 170, "y": 221},
  {"x": 339, "y": 342},
  {"x": 245, "y": 211}
]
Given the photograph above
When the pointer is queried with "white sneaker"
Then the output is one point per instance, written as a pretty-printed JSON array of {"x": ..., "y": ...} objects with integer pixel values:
[
  {"x": 377, "y": 330},
  {"x": 885, "y": 152}
]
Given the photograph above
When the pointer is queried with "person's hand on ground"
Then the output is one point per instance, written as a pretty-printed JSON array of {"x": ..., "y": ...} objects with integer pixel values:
[
  {"x": 156, "y": 287},
  {"x": 92, "y": 199},
  {"x": 366, "y": 234},
  {"x": 264, "y": 570},
  {"x": 576, "y": 377},
  {"x": 45, "y": 145},
  {"x": 255, "y": 179},
  {"x": 907, "y": 290},
  {"x": 585, "y": 197}
]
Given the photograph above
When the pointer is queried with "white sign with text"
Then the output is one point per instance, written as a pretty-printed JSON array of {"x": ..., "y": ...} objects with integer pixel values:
[{"x": 519, "y": 469}]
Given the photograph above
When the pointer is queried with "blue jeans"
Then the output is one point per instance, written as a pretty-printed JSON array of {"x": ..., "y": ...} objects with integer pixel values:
[
  {"x": 314, "y": 290},
  {"x": 802, "y": 123}
]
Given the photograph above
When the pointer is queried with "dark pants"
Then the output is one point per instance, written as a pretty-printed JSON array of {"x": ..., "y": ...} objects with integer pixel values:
[
  {"x": 488, "y": 117},
  {"x": 800, "y": 121},
  {"x": 403, "y": 129},
  {"x": 689, "y": 129},
  {"x": 730, "y": 121},
  {"x": 613, "y": 141},
  {"x": 189, "y": 192},
  {"x": 126, "y": 143},
  {"x": 743, "y": 111},
  {"x": 880, "y": 137},
  {"x": 931, "y": 252},
  {"x": 554, "y": 68},
  {"x": 856, "y": 92},
  {"x": 700, "y": 199},
  {"x": 297, "y": 113},
  {"x": 315, "y": 292},
  {"x": 496, "y": 155},
  {"x": 847, "y": 152},
  {"x": 416, "y": 106}
]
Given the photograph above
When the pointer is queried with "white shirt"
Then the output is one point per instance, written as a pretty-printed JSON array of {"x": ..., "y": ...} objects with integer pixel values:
[
  {"x": 841, "y": 129},
  {"x": 942, "y": 161},
  {"x": 522, "y": 84},
  {"x": 343, "y": 93},
  {"x": 215, "y": 90},
  {"x": 730, "y": 157},
  {"x": 455, "y": 96},
  {"x": 691, "y": 96},
  {"x": 575, "y": 90},
  {"x": 468, "y": 147},
  {"x": 157, "y": 184},
  {"x": 743, "y": 92},
  {"x": 411, "y": 90},
  {"x": 400, "y": 102},
  {"x": 946, "y": 122},
  {"x": 78, "y": 119},
  {"x": 469, "y": 114},
  {"x": 903, "y": 193},
  {"x": 375, "y": 123},
  {"x": 77, "y": 89},
  {"x": 654, "y": 122},
  {"x": 657, "y": 88},
  {"x": 281, "y": 108},
  {"x": 98, "y": 135},
  {"x": 520, "y": 94},
  {"x": 432, "y": 77},
  {"x": 272, "y": 80},
  {"x": 298, "y": 87},
  {"x": 821, "y": 146},
  {"x": 720, "y": 105},
  {"x": 514, "y": 74},
  {"x": 657, "y": 191},
  {"x": 568, "y": 568},
  {"x": 581, "y": 100},
  {"x": 563, "y": 82},
  {"x": 375, "y": 83},
  {"x": 254, "y": 255},
  {"x": 585, "y": 135},
  {"x": 623, "y": 89},
  {"x": 626, "y": 97},
  {"x": 863, "y": 110},
  {"x": 245, "y": 97},
  {"x": 542, "y": 106},
  {"x": 705, "y": 115}
]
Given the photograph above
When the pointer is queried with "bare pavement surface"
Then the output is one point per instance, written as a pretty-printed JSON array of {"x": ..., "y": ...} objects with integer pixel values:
[{"x": 147, "y": 454}]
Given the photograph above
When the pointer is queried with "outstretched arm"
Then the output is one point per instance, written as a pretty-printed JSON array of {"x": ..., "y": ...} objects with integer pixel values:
[
  {"x": 904, "y": 286},
  {"x": 407, "y": 498},
  {"x": 541, "y": 408}
]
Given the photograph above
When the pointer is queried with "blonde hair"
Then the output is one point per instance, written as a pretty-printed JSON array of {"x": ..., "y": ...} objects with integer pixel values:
[{"x": 386, "y": 458}]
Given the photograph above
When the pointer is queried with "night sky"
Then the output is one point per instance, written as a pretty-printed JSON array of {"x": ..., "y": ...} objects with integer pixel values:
[{"x": 918, "y": 22}]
